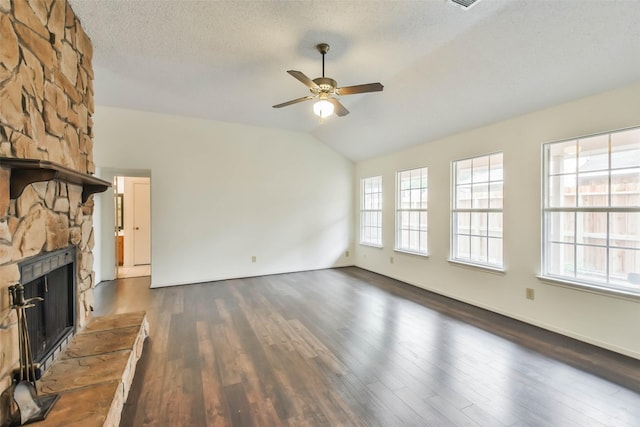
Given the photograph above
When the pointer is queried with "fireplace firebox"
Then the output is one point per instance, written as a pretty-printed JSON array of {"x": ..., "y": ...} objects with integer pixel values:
[{"x": 51, "y": 323}]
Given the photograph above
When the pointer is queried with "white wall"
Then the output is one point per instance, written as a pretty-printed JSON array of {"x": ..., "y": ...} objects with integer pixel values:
[
  {"x": 600, "y": 319},
  {"x": 97, "y": 234},
  {"x": 222, "y": 193}
]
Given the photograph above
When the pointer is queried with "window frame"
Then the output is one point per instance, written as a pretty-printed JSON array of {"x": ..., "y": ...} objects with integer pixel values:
[
  {"x": 424, "y": 174},
  {"x": 364, "y": 212},
  {"x": 547, "y": 210},
  {"x": 455, "y": 211}
]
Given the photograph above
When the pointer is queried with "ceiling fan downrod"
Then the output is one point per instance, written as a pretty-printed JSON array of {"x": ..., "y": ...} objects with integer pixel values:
[{"x": 323, "y": 48}]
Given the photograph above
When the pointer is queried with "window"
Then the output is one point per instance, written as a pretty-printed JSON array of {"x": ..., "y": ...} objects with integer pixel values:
[
  {"x": 591, "y": 218},
  {"x": 371, "y": 211},
  {"x": 476, "y": 216},
  {"x": 411, "y": 211}
]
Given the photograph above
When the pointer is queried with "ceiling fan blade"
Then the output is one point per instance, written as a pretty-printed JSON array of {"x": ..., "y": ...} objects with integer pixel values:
[
  {"x": 350, "y": 90},
  {"x": 338, "y": 107},
  {"x": 293, "y": 101},
  {"x": 304, "y": 79}
]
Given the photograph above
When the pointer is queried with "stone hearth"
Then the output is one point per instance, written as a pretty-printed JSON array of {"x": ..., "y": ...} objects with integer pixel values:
[{"x": 94, "y": 374}]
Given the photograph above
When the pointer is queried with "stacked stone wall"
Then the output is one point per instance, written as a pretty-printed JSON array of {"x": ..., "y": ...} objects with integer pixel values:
[{"x": 46, "y": 104}]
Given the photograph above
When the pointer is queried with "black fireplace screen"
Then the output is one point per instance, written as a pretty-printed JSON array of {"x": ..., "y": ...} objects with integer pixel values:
[{"x": 52, "y": 277}]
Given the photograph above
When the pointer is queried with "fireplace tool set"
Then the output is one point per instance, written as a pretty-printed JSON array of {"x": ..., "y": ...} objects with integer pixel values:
[{"x": 31, "y": 407}]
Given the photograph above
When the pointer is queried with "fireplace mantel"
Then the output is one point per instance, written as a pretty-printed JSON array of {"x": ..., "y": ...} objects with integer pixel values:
[{"x": 28, "y": 171}]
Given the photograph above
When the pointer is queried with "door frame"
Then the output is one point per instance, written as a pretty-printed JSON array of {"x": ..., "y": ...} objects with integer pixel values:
[{"x": 107, "y": 241}]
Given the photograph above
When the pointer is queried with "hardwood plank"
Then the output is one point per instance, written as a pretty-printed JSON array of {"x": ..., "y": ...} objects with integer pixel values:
[
  {"x": 349, "y": 347},
  {"x": 239, "y": 408},
  {"x": 395, "y": 405},
  {"x": 212, "y": 392},
  {"x": 427, "y": 410}
]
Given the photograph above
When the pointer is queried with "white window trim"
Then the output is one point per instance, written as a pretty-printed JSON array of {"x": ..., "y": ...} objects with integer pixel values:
[
  {"x": 371, "y": 245},
  {"x": 398, "y": 210},
  {"x": 591, "y": 288},
  {"x": 484, "y": 267},
  {"x": 452, "y": 244},
  {"x": 363, "y": 210},
  {"x": 564, "y": 281},
  {"x": 408, "y": 252}
]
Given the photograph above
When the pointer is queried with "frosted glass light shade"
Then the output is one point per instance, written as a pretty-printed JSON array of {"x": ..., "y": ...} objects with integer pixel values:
[{"x": 323, "y": 108}]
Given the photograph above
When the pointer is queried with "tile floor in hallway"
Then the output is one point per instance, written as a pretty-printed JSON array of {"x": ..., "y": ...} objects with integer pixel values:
[{"x": 134, "y": 271}]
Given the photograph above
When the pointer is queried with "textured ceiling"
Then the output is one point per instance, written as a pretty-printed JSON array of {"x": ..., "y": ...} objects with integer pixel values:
[{"x": 444, "y": 69}]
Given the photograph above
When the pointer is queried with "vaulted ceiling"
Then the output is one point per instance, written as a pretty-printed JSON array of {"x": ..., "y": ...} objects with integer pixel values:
[{"x": 445, "y": 69}]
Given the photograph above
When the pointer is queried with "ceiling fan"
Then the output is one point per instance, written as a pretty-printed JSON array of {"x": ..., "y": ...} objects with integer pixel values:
[{"x": 325, "y": 89}]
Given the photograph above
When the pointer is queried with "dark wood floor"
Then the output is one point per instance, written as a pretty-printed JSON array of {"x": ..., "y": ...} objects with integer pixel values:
[{"x": 347, "y": 347}]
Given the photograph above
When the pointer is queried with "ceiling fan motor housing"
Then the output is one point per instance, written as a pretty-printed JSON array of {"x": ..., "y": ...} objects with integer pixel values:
[{"x": 326, "y": 85}]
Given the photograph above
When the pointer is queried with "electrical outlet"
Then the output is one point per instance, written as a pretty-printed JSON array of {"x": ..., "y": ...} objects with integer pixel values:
[
  {"x": 253, "y": 258},
  {"x": 346, "y": 253},
  {"x": 391, "y": 260},
  {"x": 531, "y": 294}
]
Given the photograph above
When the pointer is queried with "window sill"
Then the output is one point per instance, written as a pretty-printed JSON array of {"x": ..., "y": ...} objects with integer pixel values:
[
  {"x": 371, "y": 245},
  {"x": 591, "y": 288},
  {"x": 419, "y": 254},
  {"x": 482, "y": 267}
]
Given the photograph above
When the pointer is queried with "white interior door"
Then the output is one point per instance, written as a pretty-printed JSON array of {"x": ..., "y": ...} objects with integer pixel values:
[{"x": 141, "y": 224}]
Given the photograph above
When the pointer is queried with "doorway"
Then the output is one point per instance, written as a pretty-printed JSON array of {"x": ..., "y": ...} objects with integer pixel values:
[{"x": 133, "y": 226}]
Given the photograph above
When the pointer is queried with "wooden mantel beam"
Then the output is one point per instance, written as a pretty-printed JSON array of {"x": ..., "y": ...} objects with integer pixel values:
[{"x": 28, "y": 171}]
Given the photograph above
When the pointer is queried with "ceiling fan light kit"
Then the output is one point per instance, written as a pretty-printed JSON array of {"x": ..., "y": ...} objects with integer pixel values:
[
  {"x": 323, "y": 108},
  {"x": 326, "y": 90}
]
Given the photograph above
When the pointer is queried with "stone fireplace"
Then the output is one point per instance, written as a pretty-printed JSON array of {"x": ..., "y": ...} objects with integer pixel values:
[{"x": 46, "y": 207}]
